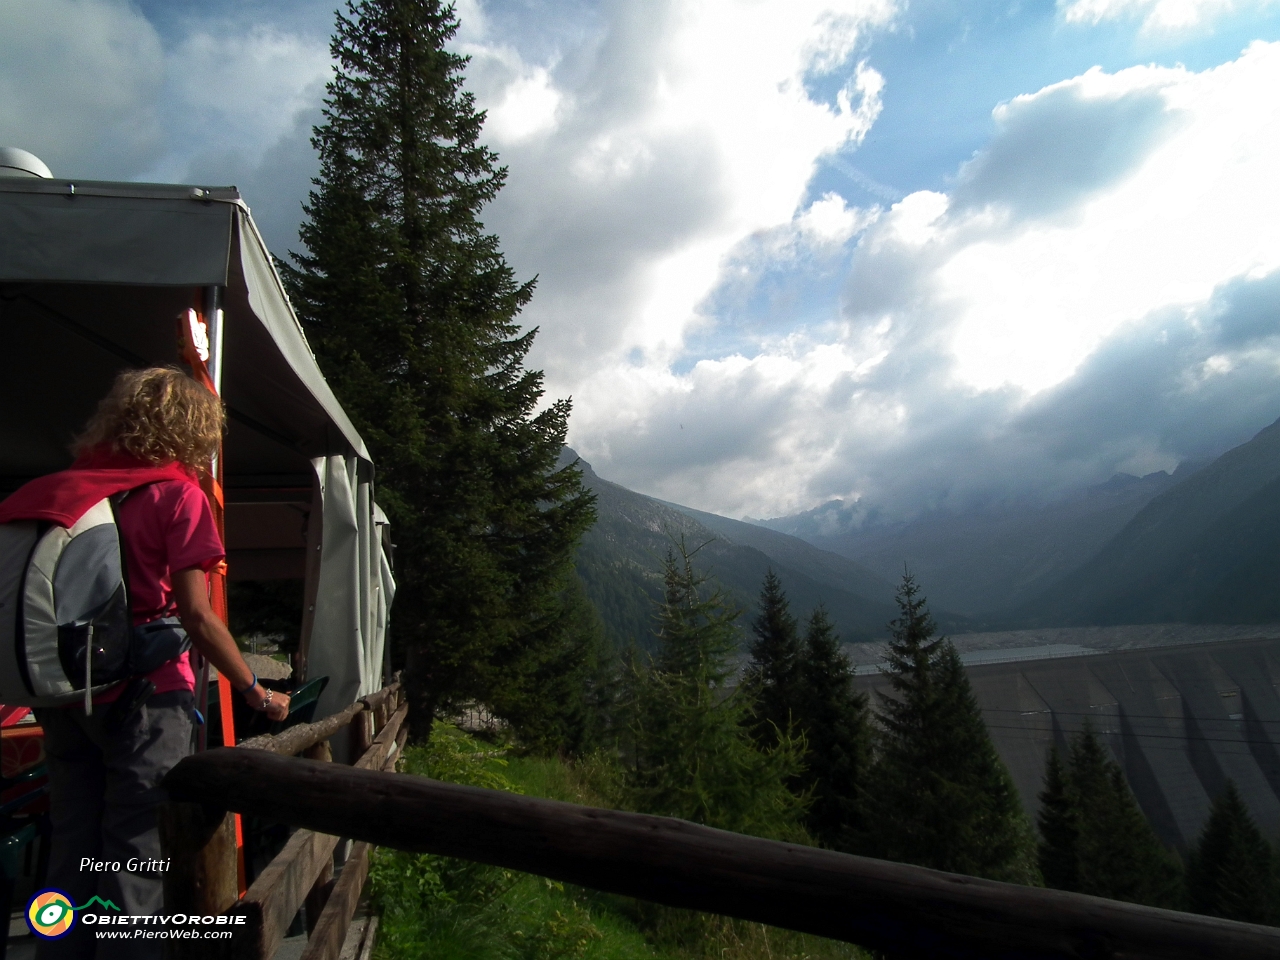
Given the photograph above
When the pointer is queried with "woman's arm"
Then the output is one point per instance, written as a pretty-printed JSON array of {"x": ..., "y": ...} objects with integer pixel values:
[{"x": 215, "y": 643}]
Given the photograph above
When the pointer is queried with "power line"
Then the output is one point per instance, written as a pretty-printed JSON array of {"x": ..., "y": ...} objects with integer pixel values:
[
  {"x": 1148, "y": 736},
  {"x": 1126, "y": 715}
]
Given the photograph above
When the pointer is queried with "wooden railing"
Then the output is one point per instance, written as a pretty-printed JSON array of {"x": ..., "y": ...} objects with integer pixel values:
[
  {"x": 198, "y": 836},
  {"x": 904, "y": 910}
]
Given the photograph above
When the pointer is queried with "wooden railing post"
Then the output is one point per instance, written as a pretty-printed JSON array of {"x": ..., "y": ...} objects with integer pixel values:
[
  {"x": 361, "y": 735},
  {"x": 199, "y": 841},
  {"x": 319, "y": 893},
  {"x": 200, "y": 846}
]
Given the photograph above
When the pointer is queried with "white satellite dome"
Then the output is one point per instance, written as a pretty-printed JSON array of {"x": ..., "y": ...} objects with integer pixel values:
[{"x": 20, "y": 163}]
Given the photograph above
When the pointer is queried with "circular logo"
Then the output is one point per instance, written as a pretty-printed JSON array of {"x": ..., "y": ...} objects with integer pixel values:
[{"x": 50, "y": 914}]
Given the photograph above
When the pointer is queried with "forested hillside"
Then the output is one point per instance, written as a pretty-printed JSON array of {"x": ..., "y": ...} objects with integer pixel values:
[{"x": 620, "y": 563}]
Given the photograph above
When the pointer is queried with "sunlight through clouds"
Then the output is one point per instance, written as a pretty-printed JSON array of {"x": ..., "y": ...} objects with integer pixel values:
[
  {"x": 977, "y": 312},
  {"x": 791, "y": 250},
  {"x": 1036, "y": 298},
  {"x": 702, "y": 108}
]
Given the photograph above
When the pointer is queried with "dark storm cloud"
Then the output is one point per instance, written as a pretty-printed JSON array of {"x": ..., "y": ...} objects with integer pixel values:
[
  {"x": 1055, "y": 148},
  {"x": 275, "y": 187}
]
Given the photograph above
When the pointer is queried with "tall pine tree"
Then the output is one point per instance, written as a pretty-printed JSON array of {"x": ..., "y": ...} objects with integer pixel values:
[
  {"x": 834, "y": 719},
  {"x": 1231, "y": 872},
  {"x": 939, "y": 795},
  {"x": 773, "y": 673},
  {"x": 688, "y": 751},
  {"x": 411, "y": 310},
  {"x": 804, "y": 688},
  {"x": 1094, "y": 837},
  {"x": 1059, "y": 822}
]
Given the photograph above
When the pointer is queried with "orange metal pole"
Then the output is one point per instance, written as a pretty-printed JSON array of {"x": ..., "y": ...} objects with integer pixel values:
[{"x": 193, "y": 342}]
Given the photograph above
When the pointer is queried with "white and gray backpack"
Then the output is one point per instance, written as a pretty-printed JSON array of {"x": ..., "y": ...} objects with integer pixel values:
[{"x": 65, "y": 627}]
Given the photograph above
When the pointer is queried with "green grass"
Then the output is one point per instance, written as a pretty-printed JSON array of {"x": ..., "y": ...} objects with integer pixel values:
[{"x": 437, "y": 908}]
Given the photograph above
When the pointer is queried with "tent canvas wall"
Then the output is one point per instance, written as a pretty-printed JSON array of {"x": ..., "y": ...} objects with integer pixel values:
[{"x": 93, "y": 277}]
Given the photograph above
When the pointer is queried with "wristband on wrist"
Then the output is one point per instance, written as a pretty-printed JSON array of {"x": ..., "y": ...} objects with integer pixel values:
[{"x": 251, "y": 685}]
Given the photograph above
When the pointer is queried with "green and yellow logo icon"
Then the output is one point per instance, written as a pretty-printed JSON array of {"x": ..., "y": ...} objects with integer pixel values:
[{"x": 50, "y": 914}]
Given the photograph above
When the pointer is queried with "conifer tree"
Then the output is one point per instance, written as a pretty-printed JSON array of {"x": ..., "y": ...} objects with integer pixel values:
[
  {"x": 1119, "y": 855},
  {"x": 1231, "y": 872},
  {"x": 773, "y": 673},
  {"x": 412, "y": 312},
  {"x": 834, "y": 720},
  {"x": 1094, "y": 837},
  {"x": 939, "y": 795},
  {"x": 689, "y": 753},
  {"x": 1059, "y": 827}
]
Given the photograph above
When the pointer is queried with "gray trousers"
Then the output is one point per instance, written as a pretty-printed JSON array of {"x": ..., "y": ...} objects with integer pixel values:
[{"x": 104, "y": 791}]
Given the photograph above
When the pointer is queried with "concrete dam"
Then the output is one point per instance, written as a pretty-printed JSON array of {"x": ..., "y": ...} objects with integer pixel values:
[{"x": 1181, "y": 719}]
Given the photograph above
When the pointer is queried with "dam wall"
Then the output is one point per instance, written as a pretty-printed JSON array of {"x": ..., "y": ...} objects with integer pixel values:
[{"x": 1180, "y": 720}]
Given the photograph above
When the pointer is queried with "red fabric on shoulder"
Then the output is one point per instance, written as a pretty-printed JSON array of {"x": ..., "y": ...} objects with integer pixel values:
[{"x": 64, "y": 497}]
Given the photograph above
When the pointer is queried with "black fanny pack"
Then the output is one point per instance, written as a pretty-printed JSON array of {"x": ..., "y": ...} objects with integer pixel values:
[{"x": 156, "y": 643}]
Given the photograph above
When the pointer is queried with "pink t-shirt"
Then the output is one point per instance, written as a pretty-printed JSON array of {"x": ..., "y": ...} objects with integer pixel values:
[{"x": 166, "y": 527}]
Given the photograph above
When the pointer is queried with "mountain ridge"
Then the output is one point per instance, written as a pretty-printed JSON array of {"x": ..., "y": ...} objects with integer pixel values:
[
  {"x": 620, "y": 563},
  {"x": 983, "y": 564},
  {"x": 1200, "y": 551}
]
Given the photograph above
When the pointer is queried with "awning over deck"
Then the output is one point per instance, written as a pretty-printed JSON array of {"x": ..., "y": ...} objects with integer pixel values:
[{"x": 93, "y": 277}]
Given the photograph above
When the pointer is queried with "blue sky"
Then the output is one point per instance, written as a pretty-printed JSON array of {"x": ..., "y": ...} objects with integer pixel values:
[
  {"x": 951, "y": 61},
  {"x": 922, "y": 253}
]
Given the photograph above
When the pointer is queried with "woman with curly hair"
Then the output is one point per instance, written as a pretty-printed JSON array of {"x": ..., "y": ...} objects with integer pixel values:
[{"x": 150, "y": 439}]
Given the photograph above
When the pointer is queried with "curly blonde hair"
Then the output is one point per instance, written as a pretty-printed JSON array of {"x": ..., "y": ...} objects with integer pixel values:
[{"x": 157, "y": 415}]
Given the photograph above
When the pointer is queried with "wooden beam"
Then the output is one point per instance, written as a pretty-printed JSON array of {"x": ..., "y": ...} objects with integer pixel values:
[
  {"x": 360, "y": 734},
  {"x": 325, "y": 941},
  {"x": 906, "y": 910},
  {"x": 388, "y": 695},
  {"x": 381, "y": 748},
  {"x": 331, "y": 926},
  {"x": 296, "y": 739},
  {"x": 200, "y": 845},
  {"x": 301, "y": 872},
  {"x": 274, "y": 899},
  {"x": 320, "y": 890},
  {"x": 319, "y": 751},
  {"x": 317, "y": 898}
]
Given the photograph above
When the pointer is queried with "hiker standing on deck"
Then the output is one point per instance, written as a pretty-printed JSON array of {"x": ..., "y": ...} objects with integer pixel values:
[{"x": 149, "y": 439}]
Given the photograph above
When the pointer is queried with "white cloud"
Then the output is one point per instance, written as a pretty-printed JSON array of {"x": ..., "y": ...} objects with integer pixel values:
[
  {"x": 829, "y": 222},
  {"x": 1159, "y": 14},
  {"x": 662, "y": 142},
  {"x": 79, "y": 84},
  {"x": 1095, "y": 289},
  {"x": 528, "y": 108},
  {"x": 91, "y": 87},
  {"x": 1194, "y": 207},
  {"x": 1090, "y": 296}
]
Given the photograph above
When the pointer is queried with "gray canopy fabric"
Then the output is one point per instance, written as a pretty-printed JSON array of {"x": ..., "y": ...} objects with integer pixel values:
[
  {"x": 355, "y": 587},
  {"x": 145, "y": 234},
  {"x": 92, "y": 278}
]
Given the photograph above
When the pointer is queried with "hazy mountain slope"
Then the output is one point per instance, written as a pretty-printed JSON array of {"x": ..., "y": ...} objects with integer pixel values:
[
  {"x": 985, "y": 562},
  {"x": 823, "y": 566},
  {"x": 1204, "y": 550},
  {"x": 620, "y": 562}
]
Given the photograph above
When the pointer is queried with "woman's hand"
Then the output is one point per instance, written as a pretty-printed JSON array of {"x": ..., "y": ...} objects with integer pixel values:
[
  {"x": 211, "y": 637},
  {"x": 271, "y": 702}
]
